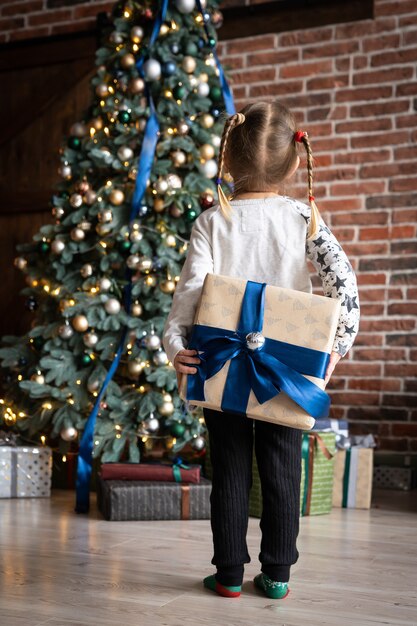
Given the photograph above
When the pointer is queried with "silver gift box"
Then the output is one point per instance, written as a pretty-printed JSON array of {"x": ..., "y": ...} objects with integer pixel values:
[{"x": 25, "y": 471}]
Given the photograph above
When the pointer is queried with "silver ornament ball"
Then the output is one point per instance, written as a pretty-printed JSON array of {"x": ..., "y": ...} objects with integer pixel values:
[
  {"x": 65, "y": 171},
  {"x": 174, "y": 181},
  {"x": 112, "y": 306},
  {"x": 185, "y": 6},
  {"x": 198, "y": 443},
  {"x": 104, "y": 284},
  {"x": 65, "y": 331},
  {"x": 160, "y": 358},
  {"x": 90, "y": 340},
  {"x": 152, "y": 69},
  {"x": 132, "y": 261},
  {"x": 209, "y": 168},
  {"x": 125, "y": 153},
  {"x": 152, "y": 424},
  {"x": 69, "y": 434},
  {"x": 136, "y": 309},
  {"x": 153, "y": 342},
  {"x": 57, "y": 246},
  {"x": 203, "y": 90},
  {"x": 77, "y": 234},
  {"x": 76, "y": 200},
  {"x": 86, "y": 270}
]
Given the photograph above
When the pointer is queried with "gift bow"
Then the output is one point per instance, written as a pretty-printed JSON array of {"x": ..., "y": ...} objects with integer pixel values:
[
  {"x": 273, "y": 367},
  {"x": 176, "y": 465}
]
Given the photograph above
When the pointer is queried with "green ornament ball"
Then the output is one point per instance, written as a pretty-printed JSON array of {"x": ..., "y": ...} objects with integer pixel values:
[
  {"x": 190, "y": 215},
  {"x": 211, "y": 42},
  {"x": 124, "y": 117},
  {"x": 177, "y": 430},
  {"x": 215, "y": 93},
  {"x": 44, "y": 247},
  {"x": 86, "y": 359},
  {"x": 125, "y": 245},
  {"x": 191, "y": 49},
  {"x": 74, "y": 143},
  {"x": 178, "y": 92}
]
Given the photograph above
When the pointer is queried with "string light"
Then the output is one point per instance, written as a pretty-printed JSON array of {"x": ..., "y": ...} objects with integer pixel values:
[
  {"x": 43, "y": 439},
  {"x": 47, "y": 406},
  {"x": 64, "y": 458}
]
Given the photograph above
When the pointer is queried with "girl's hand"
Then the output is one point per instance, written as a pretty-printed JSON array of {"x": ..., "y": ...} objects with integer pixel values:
[
  {"x": 180, "y": 363},
  {"x": 183, "y": 358},
  {"x": 334, "y": 360}
]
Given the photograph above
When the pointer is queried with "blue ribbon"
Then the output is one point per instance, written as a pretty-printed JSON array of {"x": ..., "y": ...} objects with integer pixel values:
[{"x": 276, "y": 366}]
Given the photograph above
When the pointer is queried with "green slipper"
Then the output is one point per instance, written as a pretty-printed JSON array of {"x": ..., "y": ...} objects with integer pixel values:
[
  {"x": 271, "y": 588},
  {"x": 228, "y": 592}
]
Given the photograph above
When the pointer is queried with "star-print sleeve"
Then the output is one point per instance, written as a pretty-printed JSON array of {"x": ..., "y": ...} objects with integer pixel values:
[{"x": 339, "y": 281}]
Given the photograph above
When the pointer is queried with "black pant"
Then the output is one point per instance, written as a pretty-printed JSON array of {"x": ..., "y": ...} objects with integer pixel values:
[{"x": 278, "y": 454}]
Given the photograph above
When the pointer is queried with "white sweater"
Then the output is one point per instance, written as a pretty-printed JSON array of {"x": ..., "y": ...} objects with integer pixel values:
[{"x": 265, "y": 241}]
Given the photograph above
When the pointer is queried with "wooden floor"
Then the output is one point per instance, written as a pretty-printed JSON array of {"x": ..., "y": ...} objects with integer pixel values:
[{"x": 62, "y": 569}]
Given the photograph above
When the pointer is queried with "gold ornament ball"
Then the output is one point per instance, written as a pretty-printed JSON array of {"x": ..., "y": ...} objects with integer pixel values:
[
  {"x": 97, "y": 123},
  {"x": 90, "y": 197},
  {"x": 145, "y": 264},
  {"x": 116, "y": 197},
  {"x": 85, "y": 225},
  {"x": 167, "y": 408},
  {"x": 167, "y": 286},
  {"x": 207, "y": 151},
  {"x": 80, "y": 323},
  {"x": 183, "y": 128},
  {"x": 178, "y": 158},
  {"x": 127, "y": 61},
  {"x": 20, "y": 262},
  {"x": 137, "y": 85},
  {"x": 86, "y": 270},
  {"x": 189, "y": 64},
  {"x": 171, "y": 241},
  {"x": 207, "y": 120},
  {"x": 136, "y": 235},
  {"x": 79, "y": 129},
  {"x": 102, "y": 90},
  {"x": 161, "y": 185},
  {"x": 104, "y": 217},
  {"x": 158, "y": 205},
  {"x": 150, "y": 281},
  {"x": 135, "y": 367},
  {"x": 167, "y": 397},
  {"x": 38, "y": 378},
  {"x": 136, "y": 309}
]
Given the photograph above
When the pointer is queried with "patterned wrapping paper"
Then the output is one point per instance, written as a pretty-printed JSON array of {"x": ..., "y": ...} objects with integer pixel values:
[
  {"x": 25, "y": 472},
  {"x": 294, "y": 317},
  {"x": 120, "y": 500},
  {"x": 317, "y": 482},
  {"x": 353, "y": 474}
]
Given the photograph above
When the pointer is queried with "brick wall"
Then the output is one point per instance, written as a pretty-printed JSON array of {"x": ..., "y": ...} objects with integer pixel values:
[{"x": 354, "y": 89}]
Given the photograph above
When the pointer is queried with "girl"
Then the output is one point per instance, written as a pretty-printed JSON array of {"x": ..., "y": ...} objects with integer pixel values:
[{"x": 262, "y": 236}]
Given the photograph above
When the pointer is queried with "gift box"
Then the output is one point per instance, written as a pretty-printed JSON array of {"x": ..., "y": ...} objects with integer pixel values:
[
  {"x": 264, "y": 351},
  {"x": 353, "y": 472},
  {"x": 317, "y": 472},
  {"x": 122, "y": 500},
  {"x": 25, "y": 471},
  {"x": 178, "y": 472}
]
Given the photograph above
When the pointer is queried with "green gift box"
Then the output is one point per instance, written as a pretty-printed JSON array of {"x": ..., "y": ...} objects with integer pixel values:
[{"x": 317, "y": 470}]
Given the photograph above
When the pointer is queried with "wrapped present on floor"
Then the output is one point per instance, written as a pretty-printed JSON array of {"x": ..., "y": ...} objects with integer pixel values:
[
  {"x": 340, "y": 427},
  {"x": 317, "y": 470},
  {"x": 122, "y": 500},
  {"x": 353, "y": 472},
  {"x": 25, "y": 470},
  {"x": 176, "y": 471},
  {"x": 278, "y": 359}
]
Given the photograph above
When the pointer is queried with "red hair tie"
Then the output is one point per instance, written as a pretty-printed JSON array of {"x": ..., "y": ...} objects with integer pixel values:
[
  {"x": 311, "y": 198},
  {"x": 298, "y": 135}
]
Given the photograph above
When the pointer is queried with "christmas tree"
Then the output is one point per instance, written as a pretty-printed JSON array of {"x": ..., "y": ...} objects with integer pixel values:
[{"x": 136, "y": 172}]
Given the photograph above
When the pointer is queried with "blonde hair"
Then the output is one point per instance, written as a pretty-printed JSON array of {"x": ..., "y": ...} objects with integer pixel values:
[{"x": 259, "y": 147}]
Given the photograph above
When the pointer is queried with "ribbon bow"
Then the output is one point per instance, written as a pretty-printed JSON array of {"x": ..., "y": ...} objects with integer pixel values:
[{"x": 264, "y": 365}]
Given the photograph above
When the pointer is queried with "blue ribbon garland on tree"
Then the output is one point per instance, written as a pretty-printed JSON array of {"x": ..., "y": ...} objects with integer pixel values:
[
  {"x": 274, "y": 367},
  {"x": 145, "y": 162}
]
